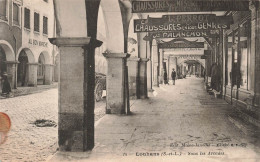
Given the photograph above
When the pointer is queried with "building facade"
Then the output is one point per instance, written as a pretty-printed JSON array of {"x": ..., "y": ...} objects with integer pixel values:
[
  {"x": 10, "y": 37},
  {"x": 26, "y": 54}
]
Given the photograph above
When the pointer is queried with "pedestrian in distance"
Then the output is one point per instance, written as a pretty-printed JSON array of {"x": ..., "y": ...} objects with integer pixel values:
[
  {"x": 6, "y": 89},
  {"x": 165, "y": 78},
  {"x": 173, "y": 75}
]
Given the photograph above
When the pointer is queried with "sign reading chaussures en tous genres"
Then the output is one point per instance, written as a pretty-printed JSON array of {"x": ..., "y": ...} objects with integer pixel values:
[{"x": 182, "y": 23}]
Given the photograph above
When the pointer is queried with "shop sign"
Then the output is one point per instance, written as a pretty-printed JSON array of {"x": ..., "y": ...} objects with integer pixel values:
[
  {"x": 164, "y": 24},
  {"x": 177, "y": 34},
  {"x": 37, "y": 43},
  {"x": 187, "y": 49},
  {"x": 181, "y": 44},
  {"x": 189, "y": 6}
]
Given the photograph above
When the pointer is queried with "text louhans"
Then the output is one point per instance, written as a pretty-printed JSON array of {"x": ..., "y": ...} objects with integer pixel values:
[{"x": 179, "y": 27}]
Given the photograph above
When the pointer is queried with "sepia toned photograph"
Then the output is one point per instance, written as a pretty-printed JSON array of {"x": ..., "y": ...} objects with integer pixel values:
[{"x": 129, "y": 80}]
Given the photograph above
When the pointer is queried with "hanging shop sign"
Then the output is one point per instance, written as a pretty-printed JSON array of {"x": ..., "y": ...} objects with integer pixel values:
[
  {"x": 187, "y": 49},
  {"x": 177, "y": 34},
  {"x": 189, "y": 6},
  {"x": 181, "y": 43},
  {"x": 171, "y": 23}
]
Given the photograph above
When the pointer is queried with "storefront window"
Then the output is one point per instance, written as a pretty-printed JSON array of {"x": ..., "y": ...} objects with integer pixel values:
[
  {"x": 229, "y": 58},
  {"x": 237, "y": 56}
]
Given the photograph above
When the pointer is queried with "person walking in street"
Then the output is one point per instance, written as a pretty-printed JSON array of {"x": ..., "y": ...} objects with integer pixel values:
[
  {"x": 173, "y": 75},
  {"x": 165, "y": 78},
  {"x": 6, "y": 89}
]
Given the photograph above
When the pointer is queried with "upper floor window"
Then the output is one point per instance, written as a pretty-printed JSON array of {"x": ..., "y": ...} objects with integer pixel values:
[
  {"x": 3, "y": 9},
  {"x": 27, "y": 18},
  {"x": 45, "y": 25},
  {"x": 45, "y": 1},
  {"x": 16, "y": 15},
  {"x": 36, "y": 22}
]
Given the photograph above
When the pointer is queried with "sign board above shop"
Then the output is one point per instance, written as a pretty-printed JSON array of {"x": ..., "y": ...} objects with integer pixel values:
[
  {"x": 181, "y": 43},
  {"x": 178, "y": 34},
  {"x": 182, "y": 23},
  {"x": 189, "y": 6}
]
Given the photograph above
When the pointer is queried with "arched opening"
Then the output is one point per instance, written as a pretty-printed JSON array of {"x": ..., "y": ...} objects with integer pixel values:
[
  {"x": 41, "y": 70},
  {"x": 3, "y": 66},
  {"x": 22, "y": 69},
  {"x": 24, "y": 58},
  {"x": 7, "y": 62},
  {"x": 192, "y": 68}
]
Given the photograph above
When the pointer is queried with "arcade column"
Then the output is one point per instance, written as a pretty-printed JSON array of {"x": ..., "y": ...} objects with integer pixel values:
[
  {"x": 155, "y": 65},
  {"x": 133, "y": 75},
  {"x": 254, "y": 60},
  {"x": 11, "y": 71},
  {"x": 76, "y": 108},
  {"x": 48, "y": 74},
  {"x": 32, "y": 74},
  {"x": 143, "y": 78},
  {"x": 115, "y": 82}
]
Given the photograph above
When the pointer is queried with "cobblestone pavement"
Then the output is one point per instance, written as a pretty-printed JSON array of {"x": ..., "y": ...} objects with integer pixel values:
[{"x": 26, "y": 141}]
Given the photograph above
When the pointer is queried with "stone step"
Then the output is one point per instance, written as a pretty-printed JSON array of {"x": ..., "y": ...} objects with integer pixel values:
[
  {"x": 250, "y": 116},
  {"x": 243, "y": 125}
]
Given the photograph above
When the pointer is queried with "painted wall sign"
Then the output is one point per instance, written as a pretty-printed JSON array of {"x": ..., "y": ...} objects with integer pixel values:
[
  {"x": 37, "y": 43},
  {"x": 189, "y": 6},
  {"x": 143, "y": 25}
]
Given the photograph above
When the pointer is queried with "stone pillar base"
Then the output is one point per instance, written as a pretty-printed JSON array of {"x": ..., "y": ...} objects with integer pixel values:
[
  {"x": 133, "y": 77},
  {"x": 116, "y": 63}
]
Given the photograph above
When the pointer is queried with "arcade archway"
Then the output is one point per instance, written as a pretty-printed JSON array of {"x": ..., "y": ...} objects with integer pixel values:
[
  {"x": 7, "y": 62},
  {"x": 26, "y": 70},
  {"x": 44, "y": 70}
]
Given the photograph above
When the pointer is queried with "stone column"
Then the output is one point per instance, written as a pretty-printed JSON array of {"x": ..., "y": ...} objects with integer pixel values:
[
  {"x": 161, "y": 65},
  {"x": 11, "y": 71},
  {"x": 48, "y": 74},
  {"x": 116, "y": 63},
  {"x": 133, "y": 64},
  {"x": 257, "y": 58},
  {"x": 149, "y": 68},
  {"x": 32, "y": 74},
  {"x": 155, "y": 64},
  {"x": 252, "y": 56},
  {"x": 143, "y": 78},
  {"x": 76, "y": 107}
]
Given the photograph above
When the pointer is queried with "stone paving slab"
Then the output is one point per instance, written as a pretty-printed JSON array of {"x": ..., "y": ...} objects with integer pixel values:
[{"x": 171, "y": 126}]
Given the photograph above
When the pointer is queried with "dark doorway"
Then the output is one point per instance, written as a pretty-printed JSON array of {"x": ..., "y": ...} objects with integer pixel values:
[
  {"x": 22, "y": 69},
  {"x": 3, "y": 66}
]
